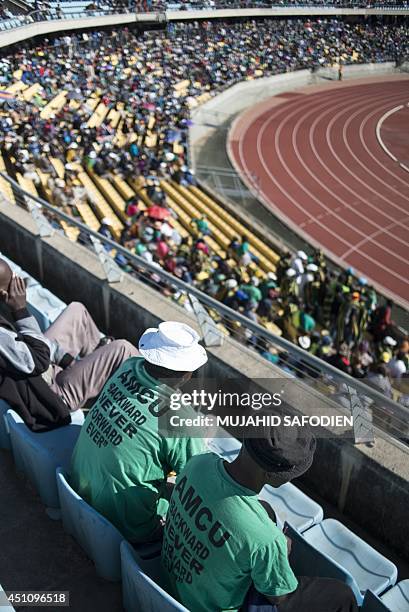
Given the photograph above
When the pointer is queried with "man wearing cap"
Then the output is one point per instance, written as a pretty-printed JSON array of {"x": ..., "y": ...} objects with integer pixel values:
[
  {"x": 222, "y": 551},
  {"x": 121, "y": 461}
]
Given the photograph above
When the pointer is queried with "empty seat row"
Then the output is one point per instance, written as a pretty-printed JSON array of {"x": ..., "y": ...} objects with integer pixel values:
[
  {"x": 111, "y": 195},
  {"x": 224, "y": 222},
  {"x": 102, "y": 207},
  {"x": 261, "y": 246},
  {"x": 54, "y": 105},
  {"x": 5, "y": 186}
]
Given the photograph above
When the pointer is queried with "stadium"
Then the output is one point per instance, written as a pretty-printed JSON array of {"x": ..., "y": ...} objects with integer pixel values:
[{"x": 204, "y": 305}]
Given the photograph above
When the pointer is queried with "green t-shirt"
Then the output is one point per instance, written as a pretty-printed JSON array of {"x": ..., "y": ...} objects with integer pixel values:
[
  {"x": 219, "y": 540},
  {"x": 253, "y": 292},
  {"x": 120, "y": 462}
]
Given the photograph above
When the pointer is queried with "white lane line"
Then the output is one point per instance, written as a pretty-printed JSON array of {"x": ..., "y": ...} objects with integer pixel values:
[
  {"x": 379, "y": 126},
  {"x": 369, "y": 239},
  {"x": 381, "y": 164}
]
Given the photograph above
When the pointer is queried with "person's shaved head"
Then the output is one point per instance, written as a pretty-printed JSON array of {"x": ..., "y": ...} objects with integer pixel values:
[{"x": 5, "y": 275}]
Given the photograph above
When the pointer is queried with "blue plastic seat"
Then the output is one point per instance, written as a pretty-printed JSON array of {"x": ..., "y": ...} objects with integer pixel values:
[
  {"x": 306, "y": 560},
  {"x": 38, "y": 455},
  {"x": 4, "y": 605},
  {"x": 289, "y": 503},
  {"x": 227, "y": 447},
  {"x": 93, "y": 532},
  {"x": 96, "y": 535},
  {"x": 292, "y": 505},
  {"x": 139, "y": 591},
  {"x": 371, "y": 570},
  {"x": 43, "y": 305},
  {"x": 4, "y": 433},
  {"x": 397, "y": 598}
]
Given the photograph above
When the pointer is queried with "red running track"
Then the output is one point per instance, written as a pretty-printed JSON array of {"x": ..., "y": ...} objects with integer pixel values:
[{"x": 314, "y": 158}]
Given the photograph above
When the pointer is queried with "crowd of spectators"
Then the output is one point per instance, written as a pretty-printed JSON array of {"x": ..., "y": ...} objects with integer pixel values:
[{"x": 136, "y": 74}]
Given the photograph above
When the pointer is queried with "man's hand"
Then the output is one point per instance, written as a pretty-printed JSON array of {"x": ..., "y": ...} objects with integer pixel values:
[{"x": 16, "y": 298}]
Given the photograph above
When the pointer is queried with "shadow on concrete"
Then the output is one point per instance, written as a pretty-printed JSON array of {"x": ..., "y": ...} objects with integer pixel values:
[{"x": 36, "y": 554}]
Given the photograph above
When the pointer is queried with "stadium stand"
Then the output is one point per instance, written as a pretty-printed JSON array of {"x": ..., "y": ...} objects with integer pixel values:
[
  {"x": 101, "y": 192},
  {"x": 326, "y": 549},
  {"x": 130, "y": 162}
]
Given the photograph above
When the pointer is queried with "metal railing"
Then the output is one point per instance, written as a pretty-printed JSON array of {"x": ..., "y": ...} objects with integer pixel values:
[{"x": 390, "y": 417}]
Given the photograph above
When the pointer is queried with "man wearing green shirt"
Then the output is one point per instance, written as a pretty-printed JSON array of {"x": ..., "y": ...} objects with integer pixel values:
[
  {"x": 221, "y": 550},
  {"x": 121, "y": 461}
]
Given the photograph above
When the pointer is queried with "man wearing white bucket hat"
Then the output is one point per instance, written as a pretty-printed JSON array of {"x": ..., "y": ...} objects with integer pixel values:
[{"x": 121, "y": 461}]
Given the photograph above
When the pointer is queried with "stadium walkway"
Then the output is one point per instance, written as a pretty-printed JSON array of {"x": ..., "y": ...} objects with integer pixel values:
[{"x": 36, "y": 554}]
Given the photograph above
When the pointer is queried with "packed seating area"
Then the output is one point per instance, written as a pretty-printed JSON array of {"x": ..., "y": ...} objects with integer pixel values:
[
  {"x": 55, "y": 463},
  {"x": 98, "y": 124}
]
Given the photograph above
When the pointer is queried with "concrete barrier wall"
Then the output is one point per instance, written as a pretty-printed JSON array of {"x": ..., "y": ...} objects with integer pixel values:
[
  {"x": 236, "y": 99},
  {"x": 369, "y": 485}
]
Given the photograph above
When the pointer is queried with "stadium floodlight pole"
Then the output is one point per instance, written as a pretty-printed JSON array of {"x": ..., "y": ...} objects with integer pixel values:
[{"x": 397, "y": 410}]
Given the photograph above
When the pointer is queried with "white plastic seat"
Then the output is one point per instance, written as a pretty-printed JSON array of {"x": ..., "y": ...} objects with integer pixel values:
[
  {"x": 307, "y": 560},
  {"x": 93, "y": 532},
  {"x": 43, "y": 305},
  {"x": 397, "y": 598},
  {"x": 96, "y": 535},
  {"x": 292, "y": 505},
  {"x": 38, "y": 455},
  {"x": 5, "y": 606},
  {"x": 371, "y": 570}
]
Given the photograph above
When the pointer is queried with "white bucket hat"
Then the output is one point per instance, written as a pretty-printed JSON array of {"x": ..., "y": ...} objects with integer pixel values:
[
  {"x": 304, "y": 342},
  {"x": 312, "y": 267},
  {"x": 174, "y": 346},
  {"x": 302, "y": 255}
]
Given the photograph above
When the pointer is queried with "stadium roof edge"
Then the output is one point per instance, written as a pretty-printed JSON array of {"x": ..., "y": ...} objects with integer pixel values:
[{"x": 40, "y": 28}]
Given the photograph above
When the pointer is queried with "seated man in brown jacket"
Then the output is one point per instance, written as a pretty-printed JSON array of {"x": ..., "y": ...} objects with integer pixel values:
[{"x": 40, "y": 375}]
